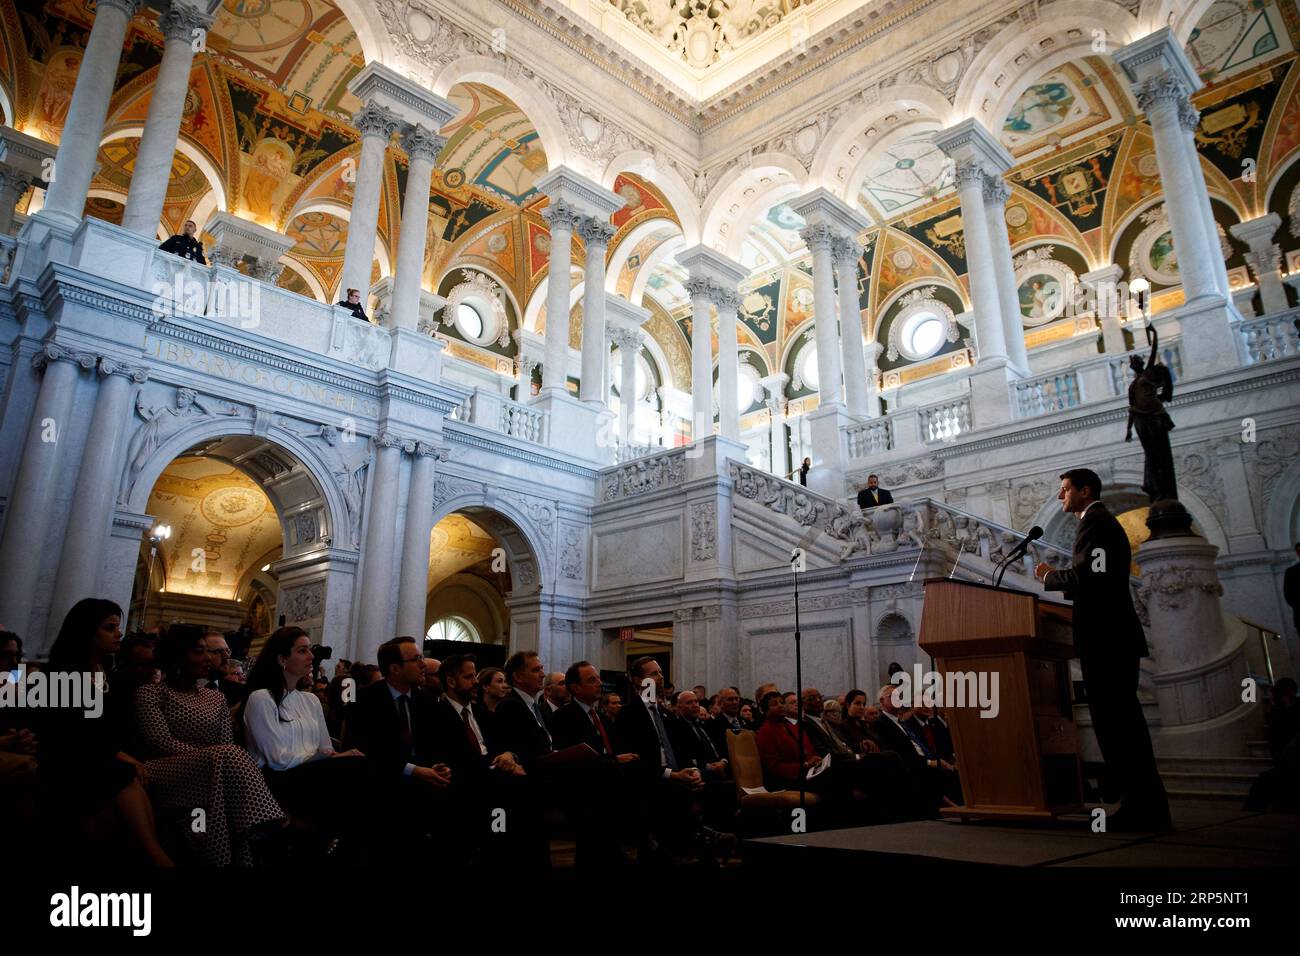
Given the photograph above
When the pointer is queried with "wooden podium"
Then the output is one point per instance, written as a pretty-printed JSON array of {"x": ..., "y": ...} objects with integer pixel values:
[{"x": 1023, "y": 763}]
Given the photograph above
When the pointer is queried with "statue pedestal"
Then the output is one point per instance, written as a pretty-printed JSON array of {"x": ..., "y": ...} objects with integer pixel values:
[{"x": 1198, "y": 669}]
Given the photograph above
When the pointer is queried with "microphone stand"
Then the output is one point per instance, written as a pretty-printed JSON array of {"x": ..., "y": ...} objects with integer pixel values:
[{"x": 798, "y": 676}]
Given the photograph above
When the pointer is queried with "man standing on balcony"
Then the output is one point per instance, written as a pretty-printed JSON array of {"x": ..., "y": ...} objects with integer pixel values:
[
  {"x": 1109, "y": 639},
  {"x": 185, "y": 245},
  {"x": 873, "y": 494}
]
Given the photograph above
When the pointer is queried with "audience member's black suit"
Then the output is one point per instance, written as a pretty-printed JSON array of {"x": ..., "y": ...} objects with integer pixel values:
[
  {"x": 931, "y": 783},
  {"x": 868, "y": 498},
  {"x": 691, "y": 742},
  {"x": 1109, "y": 640},
  {"x": 374, "y": 728},
  {"x": 515, "y": 728},
  {"x": 826, "y": 741},
  {"x": 717, "y": 728},
  {"x": 570, "y": 725},
  {"x": 934, "y": 731},
  {"x": 666, "y": 806}
]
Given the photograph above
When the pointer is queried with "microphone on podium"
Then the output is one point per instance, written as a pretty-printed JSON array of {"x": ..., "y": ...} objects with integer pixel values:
[{"x": 1034, "y": 534}]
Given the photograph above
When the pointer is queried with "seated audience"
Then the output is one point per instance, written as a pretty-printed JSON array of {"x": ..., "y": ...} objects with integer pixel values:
[
  {"x": 779, "y": 745},
  {"x": 727, "y": 718},
  {"x": 185, "y": 244},
  {"x": 287, "y": 736},
  {"x": 857, "y": 729},
  {"x": 492, "y": 688},
  {"x": 933, "y": 729},
  {"x": 554, "y": 695},
  {"x": 935, "y": 778},
  {"x": 609, "y": 706},
  {"x": 192, "y": 760},
  {"x": 81, "y": 757}
]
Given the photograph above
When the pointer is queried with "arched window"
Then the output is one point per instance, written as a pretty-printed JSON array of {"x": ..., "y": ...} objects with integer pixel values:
[
  {"x": 469, "y": 321},
  {"x": 923, "y": 334},
  {"x": 454, "y": 628}
]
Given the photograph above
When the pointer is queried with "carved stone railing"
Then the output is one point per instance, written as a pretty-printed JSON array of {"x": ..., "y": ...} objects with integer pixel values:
[
  {"x": 630, "y": 451},
  {"x": 946, "y": 420},
  {"x": 1269, "y": 337},
  {"x": 1045, "y": 394},
  {"x": 492, "y": 410},
  {"x": 869, "y": 438},
  {"x": 644, "y": 475}
]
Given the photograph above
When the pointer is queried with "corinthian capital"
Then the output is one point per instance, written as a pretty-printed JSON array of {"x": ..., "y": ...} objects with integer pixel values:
[
  {"x": 375, "y": 120},
  {"x": 129, "y": 7},
  {"x": 595, "y": 231},
  {"x": 1162, "y": 90},
  {"x": 968, "y": 171},
  {"x": 817, "y": 237},
  {"x": 627, "y": 338},
  {"x": 180, "y": 20},
  {"x": 996, "y": 191},
  {"x": 421, "y": 143},
  {"x": 847, "y": 251},
  {"x": 560, "y": 215},
  {"x": 699, "y": 286}
]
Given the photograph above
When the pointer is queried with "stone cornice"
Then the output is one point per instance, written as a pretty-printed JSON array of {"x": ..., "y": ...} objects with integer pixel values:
[{"x": 460, "y": 433}]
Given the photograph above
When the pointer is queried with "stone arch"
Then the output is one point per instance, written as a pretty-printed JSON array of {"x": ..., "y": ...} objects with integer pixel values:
[
  {"x": 492, "y": 273},
  {"x": 307, "y": 276},
  {"x": 372, "y": 33},
  {"x": 531, "y": 567},
  {"x": 893, "y": 627},
  {"x": 842, "y": 156},
  {"x": 490, "y": 72},
  {"x": 727, "y": 201},
  {"x": 294, "y": 476},
  {"x": 994, "y": 79},
  {"x": 532, "y": 314},
  {"x": 216, "y": 182},
  {"x": 629, "y": 242},
  {"x": 1181, "y": 22},
  {"x": 1282, "y": 516},
  {"x": 676, "y": 190}
]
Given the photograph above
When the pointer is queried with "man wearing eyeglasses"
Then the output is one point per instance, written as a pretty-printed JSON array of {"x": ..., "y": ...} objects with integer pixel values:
[{"x": 219, "y": 669}]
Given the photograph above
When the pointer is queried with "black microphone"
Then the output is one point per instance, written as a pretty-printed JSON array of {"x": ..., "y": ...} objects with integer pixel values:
[{"x": 1034, "y": 534}]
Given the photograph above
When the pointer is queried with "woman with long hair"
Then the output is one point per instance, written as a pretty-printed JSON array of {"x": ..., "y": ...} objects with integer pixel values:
[
  {"x": 81, "y": 757},
  {"x": 194, "y": 763},
  {"x": 285, "y": 729},
  {"x": 856, "y": 728}
]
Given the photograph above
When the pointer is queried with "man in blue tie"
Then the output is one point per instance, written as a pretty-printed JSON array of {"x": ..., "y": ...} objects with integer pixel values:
[{"x": 936, "y": 779}]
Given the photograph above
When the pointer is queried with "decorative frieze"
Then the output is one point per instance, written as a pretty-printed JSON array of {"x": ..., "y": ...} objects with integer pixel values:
[
  {"x": 643, "y": 476},
  {"x": 704, "y": 531}
]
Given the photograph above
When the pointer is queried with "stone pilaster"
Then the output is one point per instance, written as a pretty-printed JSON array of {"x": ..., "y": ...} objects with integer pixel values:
[
  {"x": 1264, "y": 259},
  {"x": 595, "y": 232}
]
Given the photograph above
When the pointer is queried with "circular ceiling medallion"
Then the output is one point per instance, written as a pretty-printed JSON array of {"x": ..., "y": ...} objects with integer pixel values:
[
  {"x": 903, "y": 259},
  {"x": 232, "y": 506},
  {"x": 454, "y": 178},
  {"x": 1017, "y": 216},
  {"x": 1147, "y": 165},
  {"x": 420, "y": 26},
  {"x": 496, "y": 243}
]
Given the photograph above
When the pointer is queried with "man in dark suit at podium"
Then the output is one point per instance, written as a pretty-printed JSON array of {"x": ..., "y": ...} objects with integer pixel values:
[
  {"x": 1109, "y": 640},
  {"x": 873, "y": 494}
]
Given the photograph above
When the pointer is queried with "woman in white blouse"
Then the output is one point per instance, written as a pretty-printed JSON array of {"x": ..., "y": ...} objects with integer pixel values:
[{"x": 284, "y": 728}]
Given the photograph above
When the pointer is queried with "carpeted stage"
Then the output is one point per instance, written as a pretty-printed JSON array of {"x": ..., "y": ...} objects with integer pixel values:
[{"x": 1204, "y": 835}]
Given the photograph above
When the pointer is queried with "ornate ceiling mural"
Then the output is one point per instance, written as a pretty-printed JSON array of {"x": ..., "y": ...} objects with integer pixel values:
[
  {"x": 904, "y": 176},
  {"x": 492, "y": 145},
  {"x": 1235, "y": 35},
  {"x": 1058, "y": 107},
  {"x": 223, "y": 526},
  {"x": 457, "y": 543}
]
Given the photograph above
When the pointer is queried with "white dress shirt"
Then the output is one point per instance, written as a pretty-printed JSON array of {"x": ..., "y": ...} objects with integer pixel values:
[
  {"x": 289, "y": 736},
  {"x": 473, "y": 722}
]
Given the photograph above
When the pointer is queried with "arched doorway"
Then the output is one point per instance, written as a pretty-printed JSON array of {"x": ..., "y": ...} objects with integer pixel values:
[{"x": 257, "y": 539}]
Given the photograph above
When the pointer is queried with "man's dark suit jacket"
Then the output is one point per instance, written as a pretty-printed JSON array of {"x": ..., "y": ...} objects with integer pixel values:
[
  {"x": 635, "y": 733},
  {"x": 570, "y": 726},
  {"x": 1105, "y": 623},
  {"x": 515, "y": 728},
  {"x": 451, "y": 743},
  {"x": 375, "y": 730},
  {"x": 1291, "y": 586},
  {"x": 187, "y": 247},
  {"x": 689, "y": 748},
  {"x": 823, "y": 739},
  {"x": 893, "y": 739},
  {"x": 868, "y": 499},
  {"x": 717, "y": 728}
]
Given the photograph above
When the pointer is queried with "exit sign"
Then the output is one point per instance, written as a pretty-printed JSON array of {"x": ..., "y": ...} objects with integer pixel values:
[{"x": 626, "y": 633}]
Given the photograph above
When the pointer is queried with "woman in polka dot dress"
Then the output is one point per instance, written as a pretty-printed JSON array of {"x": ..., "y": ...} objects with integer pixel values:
[{"x": 193, "y": 763}]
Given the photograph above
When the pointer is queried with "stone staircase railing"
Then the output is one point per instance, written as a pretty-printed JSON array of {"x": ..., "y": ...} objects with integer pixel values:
[
  {"x": 1053, "y": 392},
  {"x": 629, "y": 451},
  {"x": 1120, "y": 373},
  {"x": 870, "y": 437},
  {"x": 498, "y": 413},
  {"x": 1268, "y": 337},
  {"x": 944, "y": 421}
]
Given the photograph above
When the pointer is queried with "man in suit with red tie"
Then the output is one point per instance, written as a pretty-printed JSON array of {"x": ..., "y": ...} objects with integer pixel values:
[
  {"x": 1111, "y": 644},
  {"x": 579, "y": 721}
]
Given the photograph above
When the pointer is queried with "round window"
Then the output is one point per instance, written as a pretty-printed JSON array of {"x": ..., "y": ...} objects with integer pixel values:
[
  {"x": 808, "y": 367},
  {"x": 469, "y": 321},
  {"x": 924, "y": 334},
  {"x": 454, "y": 629}
]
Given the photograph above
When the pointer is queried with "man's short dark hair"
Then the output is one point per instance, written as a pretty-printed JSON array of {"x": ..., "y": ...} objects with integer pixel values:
[
  {"x": 638, "y": 666},
  {"x": 869, "y": 477},
  {"x": 1082, "y": 478},
  {"x": 574, "y": 674},
  {"x": 766, "y": 701},
  {"x": 515, "y": 663},
  {"x": 7, "y": 636},
  {"x": 390, "y": 653},
  {"x": 350, "y": 291},
  {"x": 454, "y": 664}
]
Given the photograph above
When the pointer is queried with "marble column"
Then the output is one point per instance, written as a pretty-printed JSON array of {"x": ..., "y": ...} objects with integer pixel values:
[
  {"x": 560, "y": 219},
  {"x": 727, "y": 302},
  {"x": 28, "y": 511},
  {"x": 776, "y": 402},
  {"x": 13, "y": 183},
  {"x": 700, "y": 289},
  {"x": 874, "y": 351},
  {"x": 1103, "y": 284},
  {"x": 381, "y": 521},
  {"x": 629, "y": 342},
  {"x": 596, "y": 232},
  {"x": 847, "y": 253},
  {"x": 422, "y": 147},
  {"x": 413, "y": 586},
  {"x": 990, "y": 329},
  {"x": 818, "y": 237},
  {"x": 93, "y": 503},
  {"x": 376, "y": 124},
  {"x": 996, "y": 194},
  {"x": 1264, "y": 259},
  {"x": 153, "y": 162},
  {"x": 74, "y": 164}
]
